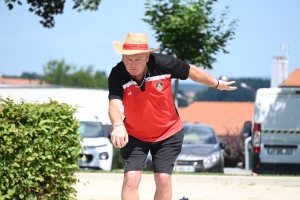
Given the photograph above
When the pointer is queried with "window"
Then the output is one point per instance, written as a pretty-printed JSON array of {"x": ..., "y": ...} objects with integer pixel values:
[
  {"x": 91, "y": 129},
  {"x": 194, "y": 134}
]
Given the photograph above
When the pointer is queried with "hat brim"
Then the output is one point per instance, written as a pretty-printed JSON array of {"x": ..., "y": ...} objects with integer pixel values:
[{"x": 118, "y": 47}]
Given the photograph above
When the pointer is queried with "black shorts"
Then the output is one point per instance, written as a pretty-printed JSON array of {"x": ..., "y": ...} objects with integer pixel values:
[{"x": 164, "y": 153}]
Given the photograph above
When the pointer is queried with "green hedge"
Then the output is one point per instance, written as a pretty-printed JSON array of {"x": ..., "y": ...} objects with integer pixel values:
[{"x": 39, "y": 150}]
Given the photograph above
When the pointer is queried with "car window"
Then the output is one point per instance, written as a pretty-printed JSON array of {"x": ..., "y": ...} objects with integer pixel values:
[
  {"x": 198, "y": 135},
  {"x": 91, "y": 129}
]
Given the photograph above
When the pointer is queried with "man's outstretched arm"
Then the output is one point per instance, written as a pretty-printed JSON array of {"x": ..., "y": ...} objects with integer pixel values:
[{"x": 201, "y": 76}]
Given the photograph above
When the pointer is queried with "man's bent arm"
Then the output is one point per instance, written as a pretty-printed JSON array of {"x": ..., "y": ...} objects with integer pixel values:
[
  {"x": 119, "y": 136},
  {"x": 115, "y": 112}
]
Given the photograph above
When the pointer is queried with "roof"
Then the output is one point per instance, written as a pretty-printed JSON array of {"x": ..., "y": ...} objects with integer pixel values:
[
  {"x": 293, "y": 79},
  {"x": 224, "y": 117},
  {"x": 21, "y": 81}
]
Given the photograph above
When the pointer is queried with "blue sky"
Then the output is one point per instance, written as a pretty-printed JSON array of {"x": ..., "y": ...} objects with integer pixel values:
[{"x": 85, "y": 39}]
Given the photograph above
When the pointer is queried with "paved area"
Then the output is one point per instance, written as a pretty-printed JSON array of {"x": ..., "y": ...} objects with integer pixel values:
[
  {"x": 237, "y": 171},
  {"x": 101, "y": 186}
]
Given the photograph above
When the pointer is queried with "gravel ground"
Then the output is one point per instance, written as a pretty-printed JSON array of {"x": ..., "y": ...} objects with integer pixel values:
[{"x": 101, "y": 186}]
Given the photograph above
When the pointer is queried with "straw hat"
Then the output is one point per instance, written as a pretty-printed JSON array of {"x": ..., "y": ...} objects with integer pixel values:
[{"x": 134, "y": 44}]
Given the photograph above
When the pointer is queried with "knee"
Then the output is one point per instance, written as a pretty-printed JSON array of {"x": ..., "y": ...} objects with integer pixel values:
[
  {"x": 162, "y": 178},
  {"x": 132, "y": 179}
]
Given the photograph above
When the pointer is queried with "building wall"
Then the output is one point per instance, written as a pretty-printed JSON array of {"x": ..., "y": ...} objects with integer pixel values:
[{"x": 279, "y": 71}]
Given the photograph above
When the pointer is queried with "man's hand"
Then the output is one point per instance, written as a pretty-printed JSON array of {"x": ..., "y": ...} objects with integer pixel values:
[
  {"x": 119, "y": 136},
  {"x": 224, "y": 85}
]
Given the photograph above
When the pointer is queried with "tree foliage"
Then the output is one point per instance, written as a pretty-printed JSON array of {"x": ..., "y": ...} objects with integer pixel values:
[
  {"x": 29, "y": 75},
  {"x": 189, "y": 30},
  {"x": 60, "y": 73},
  {"x": 48, "y": 9},
  {"x": 241, "y": 94}
]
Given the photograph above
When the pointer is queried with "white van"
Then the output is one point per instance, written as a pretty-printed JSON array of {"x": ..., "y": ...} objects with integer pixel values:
[{"x": 276, "y": 131}]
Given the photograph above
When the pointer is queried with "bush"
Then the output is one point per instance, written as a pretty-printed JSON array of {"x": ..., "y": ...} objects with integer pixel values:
[
  {"x": 39, "y": 150},
  {"x": 118, "y": 162},
  {"x": 234, "y": 151}
]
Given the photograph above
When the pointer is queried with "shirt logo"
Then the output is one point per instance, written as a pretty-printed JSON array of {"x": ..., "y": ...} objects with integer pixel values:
[
  {"x": 159, "y": 86},
  {"x": 129, "y": 93}
]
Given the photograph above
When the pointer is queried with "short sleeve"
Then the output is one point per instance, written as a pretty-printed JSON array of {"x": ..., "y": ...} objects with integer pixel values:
[
  {"x": 176, "y": 67},
  {"x": 115, "y": 85}
]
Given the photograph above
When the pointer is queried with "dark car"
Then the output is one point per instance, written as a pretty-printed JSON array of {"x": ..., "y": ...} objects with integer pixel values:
[{"x": 201, "y": 151}]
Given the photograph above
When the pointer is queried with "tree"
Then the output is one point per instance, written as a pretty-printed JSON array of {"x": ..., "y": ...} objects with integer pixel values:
[
  {"x": 48, "y": 9},
  {"x": 60, "y": 73},
  {"x": 28, "y": 75},
  {"x": 55, "y": 72},
  {"x": 189, "y": 30},
  {"x": 241, "y": 95}
]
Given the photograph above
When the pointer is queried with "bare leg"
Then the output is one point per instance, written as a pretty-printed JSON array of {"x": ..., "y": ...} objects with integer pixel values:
[
  {"x": 163, "y": 186},
  {"x": 131, "y": 185}
]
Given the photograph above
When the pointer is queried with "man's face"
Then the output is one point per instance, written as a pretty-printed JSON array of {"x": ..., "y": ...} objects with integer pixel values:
[{"x": 136, "y": 64}]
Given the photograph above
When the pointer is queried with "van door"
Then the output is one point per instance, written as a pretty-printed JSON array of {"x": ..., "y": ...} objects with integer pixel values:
[{"x": 279, "y": 116}]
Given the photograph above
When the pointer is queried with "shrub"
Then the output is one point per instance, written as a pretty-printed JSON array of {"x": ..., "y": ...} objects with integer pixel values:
[
  {"x": 118, "y": 162},
  {"x": 234, "y": 150},
  {"x": 39, "y": 150}
]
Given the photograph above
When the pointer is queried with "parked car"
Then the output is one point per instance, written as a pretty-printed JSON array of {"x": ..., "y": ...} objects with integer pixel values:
[
  {"x": 201, "y": 151},
  {"x": 99, "y": 149}
]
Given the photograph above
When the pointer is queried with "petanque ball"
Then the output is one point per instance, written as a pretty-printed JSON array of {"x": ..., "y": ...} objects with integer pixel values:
[{"x": 224, "y": 78}]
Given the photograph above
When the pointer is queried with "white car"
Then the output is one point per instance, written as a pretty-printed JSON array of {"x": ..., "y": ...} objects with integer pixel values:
[{"x": 99, "y": 149}]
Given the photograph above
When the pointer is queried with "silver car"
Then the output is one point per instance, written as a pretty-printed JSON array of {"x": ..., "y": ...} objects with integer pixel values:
[{"x": 201, "y": 151}]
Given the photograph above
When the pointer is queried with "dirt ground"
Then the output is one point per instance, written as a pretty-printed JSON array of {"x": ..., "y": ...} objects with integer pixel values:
[{"x": 98, "y": 186}]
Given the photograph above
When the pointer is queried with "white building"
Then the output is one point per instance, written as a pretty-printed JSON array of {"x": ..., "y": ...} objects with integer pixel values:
[
  {"x": 90, "y": 101},
  {"x": 279, "y": 71}
]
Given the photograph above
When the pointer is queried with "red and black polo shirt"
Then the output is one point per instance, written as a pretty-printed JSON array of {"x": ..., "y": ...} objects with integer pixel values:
[{"x": 149, "y": 110}]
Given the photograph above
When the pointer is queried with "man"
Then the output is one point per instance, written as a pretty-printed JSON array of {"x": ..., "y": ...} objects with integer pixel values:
[{"x": 141, "y": 84}]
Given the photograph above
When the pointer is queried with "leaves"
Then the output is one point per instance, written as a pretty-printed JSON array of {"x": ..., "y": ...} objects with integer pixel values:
[
  {"x": 189, "y": 30},
  {"x": 10, "y": 6},
  {"x": 234, "y": 150},
  {"x": 241, "y": 94},
  {"x": 8, "y": 195},
  {"x": 39, "y": 150},
  {"x": 60, "y": 73},
  {"x": 48, "y": 9}
]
